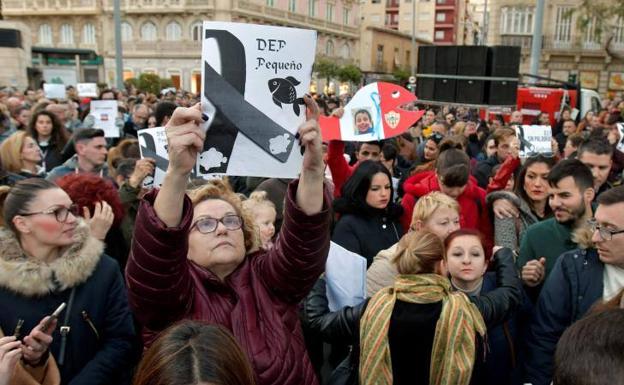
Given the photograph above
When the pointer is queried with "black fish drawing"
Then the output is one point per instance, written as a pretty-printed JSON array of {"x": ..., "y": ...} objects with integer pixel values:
[{"x": 283, "y": 91}]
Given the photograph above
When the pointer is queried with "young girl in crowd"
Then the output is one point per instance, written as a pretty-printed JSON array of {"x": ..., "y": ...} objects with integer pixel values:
[
  {"x": 369, "y": 220},
  {"x": 264, "y": 213},
  {"x": 466, "y": 263},
  {"x": 51, "y": 136}
]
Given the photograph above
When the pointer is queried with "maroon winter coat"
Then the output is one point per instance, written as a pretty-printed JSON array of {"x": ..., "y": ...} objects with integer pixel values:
[{"x": 258, "y": 302}]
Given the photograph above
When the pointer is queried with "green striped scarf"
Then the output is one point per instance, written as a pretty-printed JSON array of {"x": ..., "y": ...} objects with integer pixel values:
[{"x": 453, "y": 353}]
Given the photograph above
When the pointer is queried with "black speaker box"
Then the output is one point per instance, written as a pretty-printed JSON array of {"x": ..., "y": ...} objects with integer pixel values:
[
  {"x": 426, "y": 65},
  {"x": 446, "y": 64},
  {"x": 471, "y": 61},
  {"x": 503, "y": 61}
]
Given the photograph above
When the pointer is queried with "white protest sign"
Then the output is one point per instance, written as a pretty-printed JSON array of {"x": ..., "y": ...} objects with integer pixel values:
[
  {"x": 534, "y": 140},
  {"x": 345, "y": 277},
  {"x": 104, "y": 113},
  {"x": 620, "y": 145},
  {"x": 253, "y": 81},
  {"x": 54, "y": 91},
  {"x": 88, "y": 90},
  {"x": 153, "y": 144}
]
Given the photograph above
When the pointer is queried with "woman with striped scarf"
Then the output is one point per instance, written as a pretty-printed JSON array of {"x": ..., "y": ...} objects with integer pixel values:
[{"x": 417, "y": 331}]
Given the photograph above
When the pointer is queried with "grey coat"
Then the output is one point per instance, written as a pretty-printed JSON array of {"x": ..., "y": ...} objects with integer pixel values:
[{"x": 507, "y": 231}]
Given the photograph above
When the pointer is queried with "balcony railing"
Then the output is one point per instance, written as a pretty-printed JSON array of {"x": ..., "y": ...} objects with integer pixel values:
[
  {"x": 291, "y": 17},
  {"x": 578, "y": 44},
  {"x": 138, "y": 5},
  {"x": 29, "y": 7},
  {"x": 181, "y": 47}
]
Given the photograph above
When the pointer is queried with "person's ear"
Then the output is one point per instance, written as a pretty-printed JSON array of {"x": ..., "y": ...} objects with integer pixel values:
[
  {"x": 441, "y": 268},
  {"x": 21, "y": 224},
  {"x": 79, "y": 148},
  {"x": 418, "y": 225}
]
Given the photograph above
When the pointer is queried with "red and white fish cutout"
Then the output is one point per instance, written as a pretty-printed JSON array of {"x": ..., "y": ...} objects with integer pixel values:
[{"x": 374, "y": 113}]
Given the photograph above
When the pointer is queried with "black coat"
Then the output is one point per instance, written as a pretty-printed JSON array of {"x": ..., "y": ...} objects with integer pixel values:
[
  {"x": 101, "y": 346},
  {"x": 367, "y": 235}
]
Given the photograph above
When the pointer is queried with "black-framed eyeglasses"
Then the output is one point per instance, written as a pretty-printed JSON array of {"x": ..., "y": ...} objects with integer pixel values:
[
  {"x": 60, "y": 213},
  {"x": 207, "y": 225},
  {"x": 605, "y": 234}
]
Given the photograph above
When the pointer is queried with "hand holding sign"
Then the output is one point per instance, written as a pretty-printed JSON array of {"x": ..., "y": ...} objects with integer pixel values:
[
  {"x": 310, "y": 138},
  {"x": 186, "y": 139}
]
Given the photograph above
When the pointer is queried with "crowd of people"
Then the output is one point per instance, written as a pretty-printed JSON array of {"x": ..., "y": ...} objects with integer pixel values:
[{"x": 482, "y": 266}]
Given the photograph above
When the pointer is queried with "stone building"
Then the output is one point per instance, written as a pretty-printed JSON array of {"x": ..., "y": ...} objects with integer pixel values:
[
  {"x": 567, "y": 51},
  {"x": 164, "y": 36}
]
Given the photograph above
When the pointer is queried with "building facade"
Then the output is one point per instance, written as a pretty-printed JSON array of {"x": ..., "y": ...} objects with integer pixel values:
[
  {"x": 568, "y": 52},
  {"x": 164, "y": 36},
  {"x": 397, "y": 15}
]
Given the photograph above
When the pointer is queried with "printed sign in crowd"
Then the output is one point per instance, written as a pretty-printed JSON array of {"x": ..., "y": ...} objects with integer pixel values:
[{"x": 534, "y": 139}]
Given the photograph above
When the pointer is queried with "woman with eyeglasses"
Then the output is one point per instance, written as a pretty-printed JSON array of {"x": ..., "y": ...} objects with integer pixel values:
[
  {"x": 197, "y": 257},
  {"x": 48, "y": 257}
]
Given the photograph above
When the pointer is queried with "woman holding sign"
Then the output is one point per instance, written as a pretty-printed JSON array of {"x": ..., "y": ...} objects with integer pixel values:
[{"x": 194, "y": 259}]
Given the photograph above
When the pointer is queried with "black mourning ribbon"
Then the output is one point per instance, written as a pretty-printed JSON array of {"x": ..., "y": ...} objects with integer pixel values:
[{"x": 234, "y": 114}]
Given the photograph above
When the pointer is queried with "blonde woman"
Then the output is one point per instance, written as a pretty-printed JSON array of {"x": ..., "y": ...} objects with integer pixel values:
[
  {"x": 20, "y": 154},
  {"x": 435, "y": 212}
]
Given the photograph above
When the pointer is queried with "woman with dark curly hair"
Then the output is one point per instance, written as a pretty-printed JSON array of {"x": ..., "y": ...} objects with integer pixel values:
[
  {"x": 48, "y": 132},
  {"x": 98, "y": 201}
]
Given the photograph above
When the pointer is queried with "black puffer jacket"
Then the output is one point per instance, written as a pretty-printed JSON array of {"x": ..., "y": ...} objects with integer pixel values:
[
  {"x": 367, "y": 231},
  {"x": 343, "y": 325}
]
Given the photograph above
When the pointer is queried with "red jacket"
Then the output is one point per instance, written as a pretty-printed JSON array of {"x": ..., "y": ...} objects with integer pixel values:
[
  {"x": 338, "y": 166},
  {"x": 473, "y": 212},
  {"x": 506, "y": 171},
  {"x": 258, "y": 302}
]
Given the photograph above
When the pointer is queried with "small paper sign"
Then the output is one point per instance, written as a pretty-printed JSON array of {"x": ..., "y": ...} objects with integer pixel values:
[
  {"x": 54, "y": 91},
  {"x": 105, "y": 113},
  {"x": 153, "y": 144},
  {"x": 620, "y": 145},
  {"x": 534, "y": 140},
  {"x": 87, "y": 90}
]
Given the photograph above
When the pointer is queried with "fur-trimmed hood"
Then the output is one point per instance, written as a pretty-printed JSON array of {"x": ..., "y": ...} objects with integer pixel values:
[
  {"x": 32, "y": 278},
  {"x": 582, "y": 236}
]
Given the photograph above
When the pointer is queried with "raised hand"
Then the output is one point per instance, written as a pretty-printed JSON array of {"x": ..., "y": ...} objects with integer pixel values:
[
  {"x": 185, "y": 139},
  {"x": 310, "y": 190},
  {"x": 101, "y": 221},
  {"x": 142, "y": 169}
]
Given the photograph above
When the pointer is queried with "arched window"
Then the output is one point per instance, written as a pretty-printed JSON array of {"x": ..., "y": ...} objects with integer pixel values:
[
  {"x": 173, "y": 32},
  {"x": 45, "y": 34},
  {"x": 196, "y": 31},
  {"x": 148, "y": 32},
  {"x": 345, "y": 52},
  {"x": 329, "y": 48},
  {"x": 67, "y": 34},
  {"x": 88, "y": 34},
  {"x": 126, "y": 31}
]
